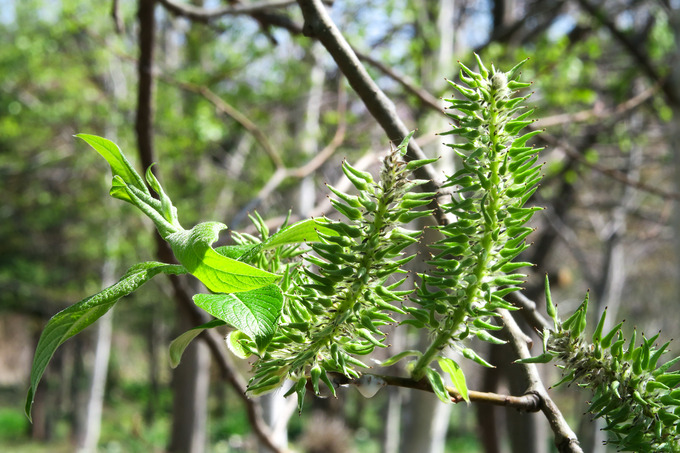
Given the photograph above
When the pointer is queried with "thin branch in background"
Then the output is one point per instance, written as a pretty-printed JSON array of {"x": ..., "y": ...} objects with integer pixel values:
[
  {"x": 224, "y": 107},
  {"x": 571, "y": 241},
  {"x": 410, "y": 86},
  {"x": 565, "y": 439},
  {"x": 610, "y": 172},
  {"x": 205, "y": 15},
  {"x": 529, "y": 310},
  {"x": 320, "y": 26},
  {"x": 118, "y": 24},
  {"x": 598, "y": 113},
  {"x": 282, "y": 173}
]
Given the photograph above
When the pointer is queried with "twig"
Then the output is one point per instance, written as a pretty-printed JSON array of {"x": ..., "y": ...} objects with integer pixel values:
[
  {"x": 204, "y": 15},
  {"x": 565, "y": 439},
  {"x": 529, "y": 311},
  {"x": 115, "y": 15},
  {"x": 281, "y": 173},
  {"x": 614, "y": 174},
  {"x": 224, "y": 107},
  {"x": 529, "y": 402},
  {"x": 597, "y": 112},
  {"x": 422, "y": 94},
  {"x": 319, "y": 25}
]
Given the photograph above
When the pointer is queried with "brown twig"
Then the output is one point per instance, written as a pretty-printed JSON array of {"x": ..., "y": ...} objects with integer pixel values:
[
  {"x": 205, "y": 15},
  {"x": 145, "y": 131},
  {"x": 598, "y": 113},
  {"x": 320, "y": 26},
  {"x": 282, "y": 173},
  {"x": 224, "y": 107},
  {"x": 565, "y": 439},
  {"x": 529, "y": 402}
]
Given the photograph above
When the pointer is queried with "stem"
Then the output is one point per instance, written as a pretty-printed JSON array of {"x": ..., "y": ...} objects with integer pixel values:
[{"x": 439, "y": 343}]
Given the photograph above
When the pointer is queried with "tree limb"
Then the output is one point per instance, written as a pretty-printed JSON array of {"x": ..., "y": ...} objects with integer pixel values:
[
  {"x": 205, "y": 15},
  {"x": 319, "y": 25},
  {"x": 529, "y": 402},
  {"x": 565, "y": 439}
]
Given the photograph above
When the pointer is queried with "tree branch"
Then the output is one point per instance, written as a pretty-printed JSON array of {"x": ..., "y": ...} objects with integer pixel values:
[
  {"x": 529, "y": 402},
  {"x": 634, "y": 49},
  {"x": 205, "y": 15},
  {"x": 565, "y": 439},
  {"x": 224, "y": 107},
  {"x": 319, "y": 25}
]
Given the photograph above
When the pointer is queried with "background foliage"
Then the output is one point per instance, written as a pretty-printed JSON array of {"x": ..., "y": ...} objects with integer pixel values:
[{"x": 605, "y": 90}]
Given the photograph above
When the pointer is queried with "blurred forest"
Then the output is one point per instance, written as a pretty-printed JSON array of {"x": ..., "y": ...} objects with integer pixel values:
[{"x": 243, "y": 112}]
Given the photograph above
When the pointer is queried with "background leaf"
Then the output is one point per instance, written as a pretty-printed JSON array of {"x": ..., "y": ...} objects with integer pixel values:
[{"x": 255, "y": 312}]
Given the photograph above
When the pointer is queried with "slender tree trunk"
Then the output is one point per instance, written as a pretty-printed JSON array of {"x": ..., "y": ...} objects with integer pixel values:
[
  {"x": 190, "y": 386},
  {"x": 426, "y": 419},
  {"x": 191, "y": 378},
  {"x": 87, "y": 441}
]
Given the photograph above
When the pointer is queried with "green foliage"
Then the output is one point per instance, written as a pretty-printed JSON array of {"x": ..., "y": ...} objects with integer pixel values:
[
  {"x": 310, "y": 300},
  {"x": 474, "y": 267},
  {"x": 635, "y": 394},
  {"x": 244, "y": 295}
]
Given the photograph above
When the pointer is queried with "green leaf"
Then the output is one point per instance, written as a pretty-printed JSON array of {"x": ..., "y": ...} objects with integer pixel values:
[
  {"x": 437, "y": 384},
  {"x": 543, "y": 358},
  {"x": 179, "y": 344},
  {"x": 77, "y": 317},
  {"x": 254, "y": 312},
  {"x": 403, "y": 146},
  {"x": 235, "y": 343},
  {"x": 395, "y": 358},
  {"x": 118, "y": 162},
  {"x": 219, "y": 273},
  {"x": 305, "y": 231},
  {"x": 457, "y": 376}
]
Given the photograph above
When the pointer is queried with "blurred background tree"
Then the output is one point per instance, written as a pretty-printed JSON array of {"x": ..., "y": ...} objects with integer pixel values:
[{"x": 243, "y": 112}]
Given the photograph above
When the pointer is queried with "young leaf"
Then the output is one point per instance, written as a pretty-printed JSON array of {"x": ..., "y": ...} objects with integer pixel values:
[
  {"x": 77, "y": 317},
  {"x": 437, "y": 384},
  {"x": 116, "y": 159},
  {"x": 254, "y": 312},
  {"x": 304, "y": 231},
  {"x": 457, "y": 376},
  {"x": 180, "y": 343},
  {"x": 234, "y": 344},
  {"x": 543, "y": 358},
  {"x": 395, "y": 358},
  {"x": 219, "y": 273}
]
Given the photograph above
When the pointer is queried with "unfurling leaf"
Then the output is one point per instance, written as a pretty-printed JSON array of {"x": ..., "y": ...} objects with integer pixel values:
[{"x": 457, "y": 376}]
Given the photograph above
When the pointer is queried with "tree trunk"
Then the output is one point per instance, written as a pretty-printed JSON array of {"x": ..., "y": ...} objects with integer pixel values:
[{"x": 190, "y": 385}]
